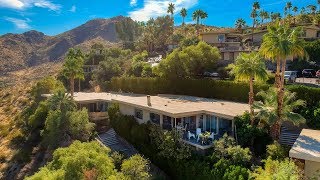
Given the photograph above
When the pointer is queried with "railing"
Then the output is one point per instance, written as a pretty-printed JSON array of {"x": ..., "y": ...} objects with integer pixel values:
[{"x": 98, "y": 115}]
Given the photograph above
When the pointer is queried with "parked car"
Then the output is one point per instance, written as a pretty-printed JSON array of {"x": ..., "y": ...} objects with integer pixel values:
[
  {"x": 318, "y": 74},
  {"x": 290, "y": 76},
  {"x": 308, "y": 73}
]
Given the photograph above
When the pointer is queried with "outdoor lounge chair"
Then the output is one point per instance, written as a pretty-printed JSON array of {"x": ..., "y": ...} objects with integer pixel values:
[{"x": 190, "y": 135}]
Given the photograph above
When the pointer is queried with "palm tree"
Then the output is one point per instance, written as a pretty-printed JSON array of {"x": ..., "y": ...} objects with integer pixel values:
[
  {"x": 203, "y": 16},
  {"x": 279, "y": 43},
  {"x": 61, "y": 101},
  {"x": 264, "y": 15},
  {"x": 183, "y": 14},
  {"x": 295, "y": 10},
  {"x": 73, "y": 67},
  {"x": 312, "y": 9},
  {"x": 254, "y": 15},
  {"x": 268, "y": 113},
  {"x": 249, "y": 67},
  {"x": 318, "y": 2},
  {"x": 289, "y": 6},
  {"x": 240, "y": 24},
  {"x": 171, "y": 9},
  {"x": 196, "y": 17},
  {"x": 275, "y": 16}
]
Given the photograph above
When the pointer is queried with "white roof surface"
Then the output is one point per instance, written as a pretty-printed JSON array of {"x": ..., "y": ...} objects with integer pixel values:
[
  {"x": 173, "y": 105},
  {"x": 307, "y": 146}
]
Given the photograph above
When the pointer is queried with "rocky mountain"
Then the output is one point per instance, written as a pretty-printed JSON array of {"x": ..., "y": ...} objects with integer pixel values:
[{"x": 18, "y": 51}]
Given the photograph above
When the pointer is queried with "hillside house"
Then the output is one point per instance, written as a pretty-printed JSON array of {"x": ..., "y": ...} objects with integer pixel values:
[{"x": 189, "y": 115}]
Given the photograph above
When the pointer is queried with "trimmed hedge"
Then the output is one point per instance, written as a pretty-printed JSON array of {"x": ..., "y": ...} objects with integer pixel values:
[
  {"x": 227, "y": 90},
  {"x": 218, "y": 89}
]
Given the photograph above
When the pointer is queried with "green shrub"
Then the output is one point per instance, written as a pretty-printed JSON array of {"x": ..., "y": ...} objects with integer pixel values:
[
  {"x": 274, "y": 169},
  {"x": 276, "y": 151},
  {"x": 236, "y": 173}
]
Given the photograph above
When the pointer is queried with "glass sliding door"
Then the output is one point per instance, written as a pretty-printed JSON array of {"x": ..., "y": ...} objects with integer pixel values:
[
  {"x": 225, "y": 126},
  {"x": 211, "y": 124}
]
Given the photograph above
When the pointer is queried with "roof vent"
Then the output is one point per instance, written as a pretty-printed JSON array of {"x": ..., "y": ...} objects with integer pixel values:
[{"x": 149, "y": 100}]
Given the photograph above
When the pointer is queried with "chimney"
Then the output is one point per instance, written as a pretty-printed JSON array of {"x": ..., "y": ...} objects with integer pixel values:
[{"x": 148, "y": 100}]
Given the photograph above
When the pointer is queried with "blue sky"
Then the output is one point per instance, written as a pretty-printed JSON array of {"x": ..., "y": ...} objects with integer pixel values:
[{"x": 56, "y": 16}]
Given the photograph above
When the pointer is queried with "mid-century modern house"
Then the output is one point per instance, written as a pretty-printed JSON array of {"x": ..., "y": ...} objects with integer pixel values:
[
  {"x": 190, "y": 115},
  {"x": 306, "y": 149},
  {"x": 231, "y": 43}
]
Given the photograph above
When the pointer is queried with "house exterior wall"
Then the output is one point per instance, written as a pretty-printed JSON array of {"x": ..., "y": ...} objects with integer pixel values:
[
  {"x": 311, "y": 33},
  {"x": 211, "y": 38},
  {"x": 310, "y": 168},
  {"x": 126, "y": 109}
]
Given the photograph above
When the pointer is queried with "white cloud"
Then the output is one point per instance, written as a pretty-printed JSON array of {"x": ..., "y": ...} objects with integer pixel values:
[
  {"x": 14, "y": 4},
  {"x": 23, "y": 4},
  {"x": 154, "y": 8},
  {"x": 133, "y": 2},
  {"x": 73, "y": 9},
  {"x": 47, "y": 4},
  {"x": 19, "y": 23}
]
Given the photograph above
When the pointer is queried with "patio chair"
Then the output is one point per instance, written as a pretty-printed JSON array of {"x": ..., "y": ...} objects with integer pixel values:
[
  {"x": 190, "y": 135},
  {"x": 198, "y": 132},
  {"x": 212, "y": 135}
]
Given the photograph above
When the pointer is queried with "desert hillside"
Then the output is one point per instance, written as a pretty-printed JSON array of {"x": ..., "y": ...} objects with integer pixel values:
[{"x": 18, "y": 51}]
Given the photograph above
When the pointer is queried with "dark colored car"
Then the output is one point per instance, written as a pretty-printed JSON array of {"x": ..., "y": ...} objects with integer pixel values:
[
  {"x": 318, "y": 74},
  {"x": 308, "y": 73}
]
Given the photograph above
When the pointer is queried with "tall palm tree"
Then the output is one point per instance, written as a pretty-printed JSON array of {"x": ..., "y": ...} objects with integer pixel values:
[
  {"x": 73, "y": 67},
  {"x": 196, "y": 17},
  {"x": 312, "y": 9},
  {"x": 240, "y": 24},
  {"x": 254, "y": 15},
  {"x": 249, "y": 67},
  {"x": 203, "y": 16},
  {"x": 279, "y": 43},
  {"x": 268, "y": 113},
  {"x": 275, "y": 16},
  {"x": 171, "y": 9},
  {"x": 289, "y": 6},
  {"x": 183, "y": 14},
  {"x": 295, "y": 10},
  {"x": 264, "y": 15}
]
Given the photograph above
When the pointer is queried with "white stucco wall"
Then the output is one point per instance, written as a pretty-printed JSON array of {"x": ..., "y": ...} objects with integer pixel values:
[
  {"x": 311, "y": 167},
  {"x": 126, "y": 109}
]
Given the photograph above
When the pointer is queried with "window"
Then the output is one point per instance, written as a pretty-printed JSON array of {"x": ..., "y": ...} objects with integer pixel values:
[
  {"x": 102, "y": 106},
  {"x": 211, "y": 123},
  {"x": 221, "y": 38},
  {"x": 155, "y": 118},
  {"x": 138, "y": 113},
  {"x": 167, "y": 122}
]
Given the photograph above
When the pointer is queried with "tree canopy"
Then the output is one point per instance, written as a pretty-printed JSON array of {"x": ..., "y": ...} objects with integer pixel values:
[{"x": 188, "y": 62}]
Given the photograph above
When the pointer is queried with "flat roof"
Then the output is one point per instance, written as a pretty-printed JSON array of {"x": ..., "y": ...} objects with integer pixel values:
[
  {"x": 307, "y": 146},
  {"x": 173, "y": 105}
]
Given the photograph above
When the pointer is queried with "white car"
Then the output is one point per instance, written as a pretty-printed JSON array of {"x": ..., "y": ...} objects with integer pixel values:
[{"x": 290, "y": 76}]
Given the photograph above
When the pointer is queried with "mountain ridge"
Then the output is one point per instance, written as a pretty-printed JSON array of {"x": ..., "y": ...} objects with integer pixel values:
[{"x": 19, "y": 51}]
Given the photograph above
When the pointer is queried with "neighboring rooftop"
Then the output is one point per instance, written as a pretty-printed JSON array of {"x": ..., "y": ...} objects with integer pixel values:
[{"x": 307, "y": 146}]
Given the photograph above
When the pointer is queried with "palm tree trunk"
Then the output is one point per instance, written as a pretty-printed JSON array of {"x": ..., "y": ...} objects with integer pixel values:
[
  {"x": 251, "y": 99},
  {"x": 72, "y": 86}
]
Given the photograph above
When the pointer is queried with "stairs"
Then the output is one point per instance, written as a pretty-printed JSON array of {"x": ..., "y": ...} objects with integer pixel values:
[
  {"x": 288, "y": 137},
  {"x": 109, "y": 138}
]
